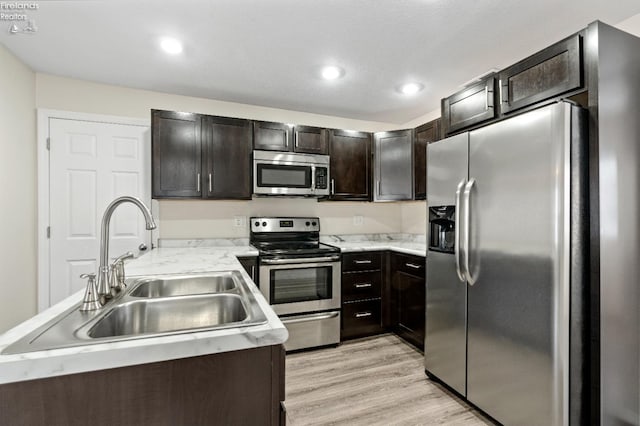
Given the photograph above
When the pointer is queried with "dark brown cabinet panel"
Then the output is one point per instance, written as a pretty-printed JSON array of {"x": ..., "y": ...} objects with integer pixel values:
[
  {"x": 362, "y": 261},
  {"x": 361, "y": 318},
  {"x": 230, "y": 388},
  {"x": 393, "y": 171},
  {"x": 363, "y": 295},
  {"x": 270, "y": 136},
  {"x": 350, "y": 165},
  {"x": 362, "y": 285},
  {"x": 549, "y": 73},
  {"x": 250, "y": 264},
  {"x": 200, "y": 156},
  {"x": 408, "y": 289},
  {"x": 228, "y": 158},
  {"x": 424, "y": 135},
  {"x": 176, "y": 155},
  {"x": 469, "y": 106},
  {"x": 310, "y": 140}
]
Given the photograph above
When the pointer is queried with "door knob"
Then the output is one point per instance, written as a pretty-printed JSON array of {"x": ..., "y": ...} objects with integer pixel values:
[{"x": 142, "y": 247}]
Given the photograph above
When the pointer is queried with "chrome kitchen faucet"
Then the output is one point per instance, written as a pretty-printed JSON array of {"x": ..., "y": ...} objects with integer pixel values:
[{"x": 111, "y": 280}]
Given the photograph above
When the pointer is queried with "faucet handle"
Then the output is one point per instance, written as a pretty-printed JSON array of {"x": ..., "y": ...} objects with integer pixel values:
[
  {"x": 91, "y": 300},
  {"x": 122, "y": 258}
]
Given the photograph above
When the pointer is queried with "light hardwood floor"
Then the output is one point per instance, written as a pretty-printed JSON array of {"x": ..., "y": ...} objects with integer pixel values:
[{"x": 372, "y": 381}]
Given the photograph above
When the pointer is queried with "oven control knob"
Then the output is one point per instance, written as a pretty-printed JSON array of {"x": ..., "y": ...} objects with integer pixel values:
[
  {"x": 307, "y": 223},
  {"x": 313, "y": 223},
  {"x": 257, "y": 224},
  {"x": 264, "y": 223}
]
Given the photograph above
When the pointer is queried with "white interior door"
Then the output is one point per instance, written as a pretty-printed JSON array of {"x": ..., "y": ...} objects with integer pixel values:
[{"x": 91, "y": 163}]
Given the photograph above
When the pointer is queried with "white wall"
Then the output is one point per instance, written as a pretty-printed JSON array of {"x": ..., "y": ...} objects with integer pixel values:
[
  {"x": 17, "y": 191},
  {"x": 188, "y": 219}
]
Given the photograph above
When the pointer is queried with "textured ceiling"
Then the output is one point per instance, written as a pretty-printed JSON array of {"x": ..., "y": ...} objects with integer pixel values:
[{"x": 268, "y": 52}]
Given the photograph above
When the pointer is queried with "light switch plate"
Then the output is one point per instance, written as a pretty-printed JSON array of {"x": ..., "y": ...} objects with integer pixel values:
[
  {"x": 358, "y": 220},
  {"x": 240, "y": 221}
]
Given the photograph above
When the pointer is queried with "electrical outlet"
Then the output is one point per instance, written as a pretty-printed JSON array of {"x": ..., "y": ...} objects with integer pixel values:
[
  {"x": 358, "y": 220},
  {"x": 240, "y": 221}
]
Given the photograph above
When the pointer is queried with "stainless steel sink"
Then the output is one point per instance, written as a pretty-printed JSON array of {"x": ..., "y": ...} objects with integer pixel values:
[
  {"x": 183, "y": 285},
  {"x": 170, "y": 314},
  {"x": 152, "y": 306}
]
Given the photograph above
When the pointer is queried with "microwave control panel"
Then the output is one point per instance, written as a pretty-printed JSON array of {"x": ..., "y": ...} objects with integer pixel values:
[{"x": 321, "y": 178}]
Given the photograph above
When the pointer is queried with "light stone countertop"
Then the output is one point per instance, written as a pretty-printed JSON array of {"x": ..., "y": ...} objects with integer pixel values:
[
  {"x": 401, "y": 243},
  {"x": 78, "y": 359}
]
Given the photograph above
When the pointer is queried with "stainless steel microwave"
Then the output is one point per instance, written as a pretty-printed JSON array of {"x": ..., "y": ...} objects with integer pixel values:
[{"x": 285, "y": 173}]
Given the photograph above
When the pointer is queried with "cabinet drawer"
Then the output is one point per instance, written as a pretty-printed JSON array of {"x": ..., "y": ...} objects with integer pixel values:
[
  {"x": 362, "y": 261},
  {"x": 551, "y": 72},
  {"x": 361, "y": 318},
  {"x": 469, "y": 106},
  {"x": 361, "y": 285},
  {"x": 412, "y": 265}
]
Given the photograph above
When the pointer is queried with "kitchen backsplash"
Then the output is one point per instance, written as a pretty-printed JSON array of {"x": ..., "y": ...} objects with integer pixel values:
[{"x": 194, "y": 219}]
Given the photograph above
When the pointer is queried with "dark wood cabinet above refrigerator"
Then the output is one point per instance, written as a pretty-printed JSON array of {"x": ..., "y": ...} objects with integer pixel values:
[{"x": 469, "y": 106}]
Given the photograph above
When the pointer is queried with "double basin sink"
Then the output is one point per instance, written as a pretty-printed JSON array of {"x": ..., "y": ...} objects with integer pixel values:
[{"x": 153, "y": 306}]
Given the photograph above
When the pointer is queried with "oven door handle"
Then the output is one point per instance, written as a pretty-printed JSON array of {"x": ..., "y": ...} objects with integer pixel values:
[
  {"x": 299, "y": 260},
  {"x": 310, "y": 317}
]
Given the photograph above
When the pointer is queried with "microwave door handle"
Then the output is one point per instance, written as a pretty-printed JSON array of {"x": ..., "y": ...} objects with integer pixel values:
[{"x": 313, "y": 178}]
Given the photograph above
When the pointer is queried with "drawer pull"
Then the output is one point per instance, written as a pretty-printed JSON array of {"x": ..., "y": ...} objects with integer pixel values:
[
  {"x": 363, "y": 314},
  {"x": 362, "y": 262},
  {"x": 363, "y": 285},
  {"x": 413, "y": 265}
]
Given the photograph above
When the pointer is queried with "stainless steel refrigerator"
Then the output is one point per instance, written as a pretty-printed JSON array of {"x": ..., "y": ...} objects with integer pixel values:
[{"x": 506, "y": 266}]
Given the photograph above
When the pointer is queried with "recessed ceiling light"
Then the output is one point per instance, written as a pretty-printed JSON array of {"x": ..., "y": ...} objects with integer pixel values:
[
  {"x": 332, "y": 72},
  {"x": 171, "y": 45},
  {"x": 410, "y": 88}
]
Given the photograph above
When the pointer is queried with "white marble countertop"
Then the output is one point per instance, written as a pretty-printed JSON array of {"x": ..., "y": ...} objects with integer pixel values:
[
  {"x": 402, "y": 243},
  {"x": 78, "y": 359}
]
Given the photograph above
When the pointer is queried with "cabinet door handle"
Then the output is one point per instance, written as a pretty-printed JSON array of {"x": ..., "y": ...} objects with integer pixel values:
[
  {"x": 363, "y": 285},
  {"x": 286, "y": 138},
  {"x": 363, "y": 314},
  {"x": 253, "y": 272},
  {"x": 378, "y": 187},
  {"x": 210, "y": 182},
  {"x": 198, "y": 182},
  {"x": 333, "y": 186},
  {"x": 362, "y": 262},
  {"x": 413, "y": 265}
]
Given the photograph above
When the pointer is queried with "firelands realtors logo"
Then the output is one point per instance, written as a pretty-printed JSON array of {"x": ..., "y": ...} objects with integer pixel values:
[{"x": 18, "y": 16}]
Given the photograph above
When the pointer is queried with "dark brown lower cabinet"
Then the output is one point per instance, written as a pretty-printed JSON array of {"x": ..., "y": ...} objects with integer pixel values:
[
  {"x": 231, "y": 388},
  {"x": 362, "y": 294},
  {"x": 250, "y": 264},
  {"x": 408, "y": 297}
]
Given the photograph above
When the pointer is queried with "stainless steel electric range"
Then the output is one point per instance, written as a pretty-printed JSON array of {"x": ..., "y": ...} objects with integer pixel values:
[{"x": 300, "y": 278}]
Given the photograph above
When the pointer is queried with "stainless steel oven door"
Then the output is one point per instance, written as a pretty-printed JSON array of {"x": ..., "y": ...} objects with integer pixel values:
[{"x": 301, "y": 285}]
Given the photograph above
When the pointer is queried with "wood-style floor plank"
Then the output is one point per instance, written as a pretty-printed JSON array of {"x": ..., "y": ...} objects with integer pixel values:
[{"x": 373, "y": 381}]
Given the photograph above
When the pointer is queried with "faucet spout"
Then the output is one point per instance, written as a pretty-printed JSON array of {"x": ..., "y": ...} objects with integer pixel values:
[{"x": 103, "y": 271}]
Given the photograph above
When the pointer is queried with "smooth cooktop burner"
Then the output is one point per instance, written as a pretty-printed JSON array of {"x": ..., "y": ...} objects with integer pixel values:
[{"x": 288, "y": 237}]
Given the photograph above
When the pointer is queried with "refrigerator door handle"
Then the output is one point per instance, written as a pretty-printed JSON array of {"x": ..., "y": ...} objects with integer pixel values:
[
  {"x": 467, "y": 234},
  {"x": 457, "y": 240}
]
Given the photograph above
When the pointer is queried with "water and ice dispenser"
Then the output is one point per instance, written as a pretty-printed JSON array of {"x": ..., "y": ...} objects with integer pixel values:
[{"x": 442, "y": 228}]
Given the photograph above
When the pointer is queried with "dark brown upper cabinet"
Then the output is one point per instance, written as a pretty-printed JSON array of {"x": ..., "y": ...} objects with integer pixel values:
[
  {"x": 228, "y": 158},
  {"x": 424, "y": 135},
  {"x": 544, "y": 75},
  {"x": 176, "y": 147},
  {"x": 268, "y": 136},
  {"x": 393, "y": 165},
  {"x": 198, "y": 156},
  {"x": 469, "y": 106},
  {"x": 350, "y": 165},
  {"x": 310, "y": 140}
]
